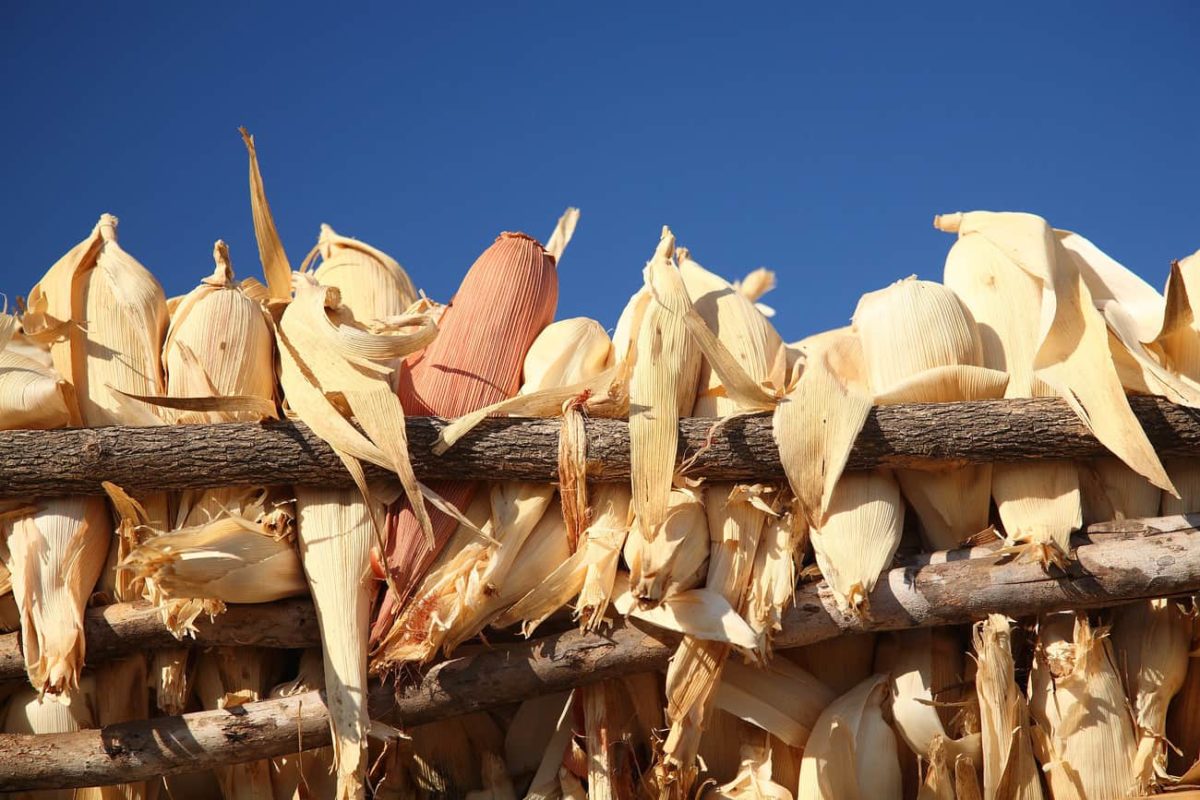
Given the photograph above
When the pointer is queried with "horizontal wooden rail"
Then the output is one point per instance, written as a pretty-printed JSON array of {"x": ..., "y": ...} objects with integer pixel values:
[
  {"x": 75, "y": 461},
  {"x": 1114, "y": 563}
]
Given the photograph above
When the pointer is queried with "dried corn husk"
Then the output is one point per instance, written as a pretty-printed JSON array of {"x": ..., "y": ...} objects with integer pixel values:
[
  {"x": 1040, "y": 324},
  {"x": 94, "y": 302},
  {"x": 276, "y": 268},
  {"x": 754, "y": 778},
  {"x": 773, "y": 578},
  {"x": 54, "y": 555},
  {"x": 506, "y": 299},
  {"x": 851, "y": 752},
  {"x": 1151, "y": 640},
  {"x": 28, "y": 712},
  {"x": 372, "y": 284},
  {"x": 308, "y": 773},
  {"x": 32, "y": 394},
  {"x": 1181, "y": 350},
  {"x": 676, "y": 560},
  {"x": 1009, "y": 770},
  {"x": 665, "y": 366},
  {"x": 859, "y": 537},
  {"x": 1109, "y": 490},
  {"x": 232, "y": 559},
  {"x": 840, "y": 663},
  {"x": 781, "y": 698},
  {"x": 913, "y": 700},
  {"x": 227, "y": 677},
  {"x": 920, "y": 344},
  {"x": 1085, "y": 736}
]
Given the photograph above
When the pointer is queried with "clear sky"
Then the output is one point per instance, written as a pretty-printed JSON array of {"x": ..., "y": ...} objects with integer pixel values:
[{"x": 818, "y": 140}]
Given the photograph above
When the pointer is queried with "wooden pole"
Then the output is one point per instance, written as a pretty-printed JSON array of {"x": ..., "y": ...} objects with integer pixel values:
[
  {"x": 75, "y": 461},
  {"x": 1114, "y": 563}
]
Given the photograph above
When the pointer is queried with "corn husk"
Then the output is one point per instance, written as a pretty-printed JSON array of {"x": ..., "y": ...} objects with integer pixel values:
[
  {"x": 308, "y": 773},
  {"x": 754, "y": 778},
  {"x": 232, "y": 559},
  {"x": 28, "y": 712},
  {"x": 1040, "y": 324},
  {"x": 55, "y": 555},
  {"x": 1009, "y": 770},
  {"x": 773, "y": 578},
  {"x": 1182, "y": 729},
  {"x": 32, "y": 394},
  {"x": 780, "y": 698},
  {"x": 1151, "y": 640},
  {"x": 506, "y": 299},
  {"x": 372, "y": 284},
  {"x": 97, "y": 300},
  {"x": 228, "y": 677},
  {"x": 840, "y": 663},
  {"x": 851, "y": 752},
  {"x": 664, "y": 361},
  {"x": 915, "y": 715},
  {"x": 276, "y": 269},
  {"x": 677, "y": 559},
  {"x": 1085, "y": 737},
  {"x": 920, "y": 344},
  {"x": 859, "y": 537}
]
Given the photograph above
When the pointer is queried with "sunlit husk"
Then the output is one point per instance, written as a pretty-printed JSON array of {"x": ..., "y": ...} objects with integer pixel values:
[
  {"x": 781, "y": 698},
  {"x": 920, "y": 344},
  {"x": 1009, "y": 769},
  {"x": 859, "y": 537},
  {"x": 373, "y": 285},
  {"x": 915, "y": 691},
  {"x": 1038, "y": 322},
  {"x": 662, "y": 388},
  {"x": 27, "y": 712},
  {"x": 851, "y": 752},
  {"x": 1085, "y": 737},
  {"x": 1151, "y": 639},
  {"x": 1181, "y": 350},
  {"x": 676, "y": 559},
  {"x": 754, "y": 780},
  {"x": 32, "y": 394},
  {"x": 232, "y": 559},
  {"x": 773, "y": 578},
  {"x": 1109, "y": 490},
  {"x": 55, "y": 556},
  {"x": 506, "y": 299},
  {"x": 97, "y": 300},
  {"x": 308, "y": 773}
]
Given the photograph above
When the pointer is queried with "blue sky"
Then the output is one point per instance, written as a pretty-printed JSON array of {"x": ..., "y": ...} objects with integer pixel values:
[{"x": 817, "y": 141}]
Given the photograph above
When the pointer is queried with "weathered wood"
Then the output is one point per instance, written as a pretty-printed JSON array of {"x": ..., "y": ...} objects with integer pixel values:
[
  {"x": 123, "y": 628},
  {"x": 1121, "y": 563},
  {"x": 75, "y": 461}
]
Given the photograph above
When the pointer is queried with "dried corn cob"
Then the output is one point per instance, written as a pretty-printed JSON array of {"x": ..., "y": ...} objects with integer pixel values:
[
  {"x": 852, "y": 751},
  {"x": 505, "y": 300},
  {"x": 1085, "y": 736}
]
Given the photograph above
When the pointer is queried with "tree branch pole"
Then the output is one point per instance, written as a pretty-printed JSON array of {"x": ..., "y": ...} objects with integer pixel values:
[
  {"x": 75, "y": 461},
  {"x": 1114, "y": 563}
]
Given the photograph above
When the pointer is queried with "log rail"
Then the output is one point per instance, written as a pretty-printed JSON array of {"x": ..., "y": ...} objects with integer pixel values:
[{"x": 1113, "y": 563}]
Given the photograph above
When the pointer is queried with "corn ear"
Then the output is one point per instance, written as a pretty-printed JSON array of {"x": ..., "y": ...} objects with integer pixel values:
[
  {"x": 372, "y": 284},
  {"x": 851, "y": 752},
  {"x": 1085, "y": 736},
  {"x": 32, "y": 394}
]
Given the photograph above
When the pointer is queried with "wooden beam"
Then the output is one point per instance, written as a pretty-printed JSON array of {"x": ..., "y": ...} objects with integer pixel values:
[
  {"x": 175, "y": 457},
  {"x": 1114, "y": 563}
]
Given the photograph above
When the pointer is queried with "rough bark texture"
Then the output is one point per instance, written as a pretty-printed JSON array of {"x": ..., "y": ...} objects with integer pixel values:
[
  {"x": 178, "y": 457},
  {"x": 123, "y": 628},
  {"x": 1121, "y": 562}
]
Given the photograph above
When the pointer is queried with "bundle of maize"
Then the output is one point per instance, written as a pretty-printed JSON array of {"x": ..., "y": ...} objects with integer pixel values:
[{"x": 1077, "y": 704}]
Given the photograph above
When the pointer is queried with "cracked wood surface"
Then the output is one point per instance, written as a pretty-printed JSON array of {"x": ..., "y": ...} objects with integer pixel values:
[
  {"x": 175, "y": 457},
  {"x": 1114, "y": 563}
]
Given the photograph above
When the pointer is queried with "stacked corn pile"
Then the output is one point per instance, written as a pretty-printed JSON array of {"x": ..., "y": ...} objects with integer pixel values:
[{"x": 1071, "y": 705}]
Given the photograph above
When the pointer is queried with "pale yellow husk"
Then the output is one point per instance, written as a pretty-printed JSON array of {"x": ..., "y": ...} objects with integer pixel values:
[
  {"x": 1009, "y": 769},
  {"x": 1151, "y": 640},
  {"x": 677, "y": 558},
  {"x": 920, "y": 344},
  {"x": 28, "y": 712},
  {"x": 1038, "y": 322},
  {"x": 55, "y": 555},
  {"x": 32, "y": 394},
  {"x": 1085, "y": 737},
  {"x": 851, "y": 752},
  {"x": 859, "y": 536},
  {"x": 1181, "y": 350},
  {"x": 781, "y": 698},
  {"x": 308, "y": 773},
  {"x": 665, "y": 369},
  {"x": 372, "y": 284},
  {"x": 754, "y": 778}
]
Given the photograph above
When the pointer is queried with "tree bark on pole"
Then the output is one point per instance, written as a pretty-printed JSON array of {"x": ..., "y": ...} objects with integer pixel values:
[
  {"x": 1114, "y": 563},
  {"x": 177, "y": 457}
]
